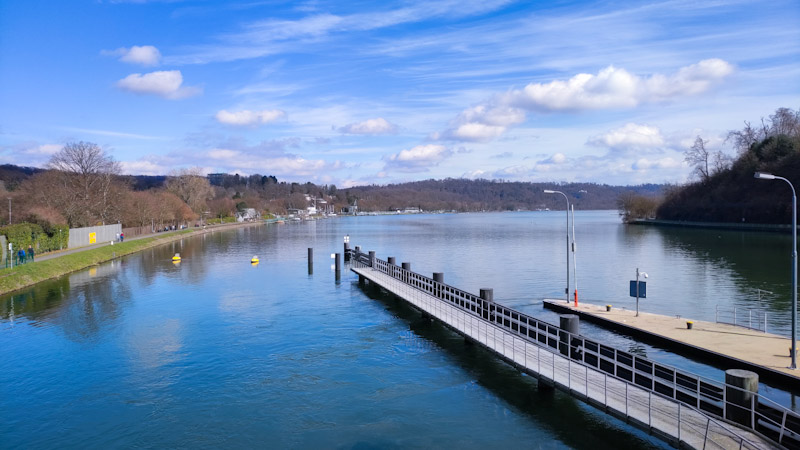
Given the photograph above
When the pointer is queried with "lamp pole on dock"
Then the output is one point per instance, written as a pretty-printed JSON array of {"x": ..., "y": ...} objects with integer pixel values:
[
  {"x": 548, "y": 191},
  {"x": 769, "y": 176}
]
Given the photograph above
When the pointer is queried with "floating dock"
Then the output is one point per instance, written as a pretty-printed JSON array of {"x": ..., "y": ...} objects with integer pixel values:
[{"x": 731, "y": 346}]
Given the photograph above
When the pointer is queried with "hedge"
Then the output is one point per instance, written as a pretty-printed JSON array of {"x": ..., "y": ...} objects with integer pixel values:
[{"x": 21, "y": 235}]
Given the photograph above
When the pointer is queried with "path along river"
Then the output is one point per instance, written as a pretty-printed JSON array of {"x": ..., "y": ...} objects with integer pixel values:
[{"x": 215, "y": 352}]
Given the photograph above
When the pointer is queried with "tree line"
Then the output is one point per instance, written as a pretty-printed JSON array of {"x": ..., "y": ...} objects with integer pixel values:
[{"x": 82, "y": 185}]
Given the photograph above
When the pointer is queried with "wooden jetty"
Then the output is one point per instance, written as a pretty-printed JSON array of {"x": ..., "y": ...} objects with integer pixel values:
[
  {"x": 682, "y": 408},
  {"x": 735, "y": 347}
]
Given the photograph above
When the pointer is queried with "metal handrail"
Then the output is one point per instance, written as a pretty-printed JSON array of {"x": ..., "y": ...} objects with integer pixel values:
[
  {"x": 709, "y": 396},
  {"x": 754, "y": 318}
]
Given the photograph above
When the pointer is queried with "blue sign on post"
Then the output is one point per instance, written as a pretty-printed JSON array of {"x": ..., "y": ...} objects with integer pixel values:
[{"x": 642, "y": 289}]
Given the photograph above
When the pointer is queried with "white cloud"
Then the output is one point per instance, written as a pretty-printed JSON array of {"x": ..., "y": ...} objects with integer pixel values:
[
  {"x": 611, "y": 88},
  {"x": 223, "y": 154},
  {"x": 557, "y": 158},
  {"x": 371, "y": 126},
  {"x": 617, "y": 88},
  {"x": 659, "y": 164},
  {"x": 143, "y": 167},
  {"x": 483, "y": 123},
  {"x": 419, "y": 158},
  {"x": 630, "y": 136},
  {"x": 167, "y": 84},
  {"x": 246, "y": 117},
  {"x": 44, "y": 150},
  {"x": 145, "y": 55}
]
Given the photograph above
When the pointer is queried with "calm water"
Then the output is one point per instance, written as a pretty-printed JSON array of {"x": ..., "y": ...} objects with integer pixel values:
[{"x": 214, "y": 352}]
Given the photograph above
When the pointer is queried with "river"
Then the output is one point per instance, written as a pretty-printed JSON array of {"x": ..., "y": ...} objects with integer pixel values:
[{"x": 216, "y": 352}]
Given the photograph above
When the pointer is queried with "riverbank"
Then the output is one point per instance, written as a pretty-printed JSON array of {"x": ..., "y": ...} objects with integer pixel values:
[
  {"x": 734, "y": 226},
  {"x": 29, "y": 274}
]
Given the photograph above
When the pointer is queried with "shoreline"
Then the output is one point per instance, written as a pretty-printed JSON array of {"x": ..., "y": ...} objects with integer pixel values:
[
  {"x": 27, "y": 275},
  {"x": 733, "y": 226}
]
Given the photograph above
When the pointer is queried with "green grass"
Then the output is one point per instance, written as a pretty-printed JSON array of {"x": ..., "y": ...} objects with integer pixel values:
[{"x": 29, "y": 274}]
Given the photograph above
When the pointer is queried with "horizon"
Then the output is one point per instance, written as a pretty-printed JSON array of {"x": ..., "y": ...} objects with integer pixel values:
[{"x": 356, "y": 94}]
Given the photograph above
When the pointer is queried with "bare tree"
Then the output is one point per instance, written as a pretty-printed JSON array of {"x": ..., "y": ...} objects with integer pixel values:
[
  {"x": 699, "y": 157},
  {"x": 191, "y": 187},
  {"x": 83, "y": 188}
]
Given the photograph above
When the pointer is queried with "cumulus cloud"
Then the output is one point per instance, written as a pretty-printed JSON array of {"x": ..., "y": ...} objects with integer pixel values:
[
  {"x": 145, "y": 55},
  {"x": 167, "y": 84},
  {"x": 629, "y": 136},
  {"x": 483, "y": 123},
  {"x": 610, "y": 88},
  {"x": 419, "y": 158},
  {"x": 617, "y": 88},
  {"x": 371, "y": 126},
  {"x": 247, "y": 118}
]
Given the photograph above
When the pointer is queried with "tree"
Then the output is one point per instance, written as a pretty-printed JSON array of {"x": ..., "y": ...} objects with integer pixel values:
[
  {"x": 699, "y": 157},
  {"x": 86, "y": 178},
  {"x": 191, "y": 187}
]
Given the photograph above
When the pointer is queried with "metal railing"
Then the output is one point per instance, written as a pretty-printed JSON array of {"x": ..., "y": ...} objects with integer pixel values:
[
  {"x": 710, "y": 397},
  {"x": 753, "y": 319}
]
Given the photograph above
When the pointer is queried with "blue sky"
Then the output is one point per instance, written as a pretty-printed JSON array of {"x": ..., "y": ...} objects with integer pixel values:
[{"x": 365, "y": 92}]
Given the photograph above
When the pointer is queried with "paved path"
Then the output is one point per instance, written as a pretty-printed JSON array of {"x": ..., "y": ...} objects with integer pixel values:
[{"x": 761, "y": 349}]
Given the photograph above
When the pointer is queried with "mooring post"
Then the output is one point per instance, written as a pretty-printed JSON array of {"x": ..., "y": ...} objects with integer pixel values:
[
  {"x": 338, "y": 266},
  {"x": 310, "y": 260},
  {"x": 487, "y": 294},
  {"x": 438, "y": 277},
  {"x": 569, "y": 323},
  {"x": 372, "y": 259},
  {"x": 741, "y": 389},
  {"x": 406, "y": 266},
  {"x": 391, "y": 260},
  {"x": 346, "y": 251}
]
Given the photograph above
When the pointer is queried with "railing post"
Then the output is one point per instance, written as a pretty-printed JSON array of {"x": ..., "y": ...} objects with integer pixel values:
[{"x": 372, "y": 259}]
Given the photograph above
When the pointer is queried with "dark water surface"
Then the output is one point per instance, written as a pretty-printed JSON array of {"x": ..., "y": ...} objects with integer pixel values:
[{"x": 214, "y": 352}]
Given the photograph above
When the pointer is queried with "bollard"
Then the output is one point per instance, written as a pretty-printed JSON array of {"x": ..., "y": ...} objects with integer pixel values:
[
  {"x": 438, "y": 277},
  {"x": 740, "y": 402},
  {"x": 372, "y": 259},
  {"x": 310, "y": 261},
  {"x": 406, "y": 266},
  {"x": 346, "y": 251},
  {"x": 487, "y": 294},
  {"x": 338, "y": 265},
  {"x": 391, "y": 260},
  {"x": 569, "y": 323}
]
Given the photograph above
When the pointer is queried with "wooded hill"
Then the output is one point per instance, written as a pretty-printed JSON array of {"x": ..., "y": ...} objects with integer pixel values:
[
  {"x": 729, "y": 192},
  {"x": 484, "y": 195}
]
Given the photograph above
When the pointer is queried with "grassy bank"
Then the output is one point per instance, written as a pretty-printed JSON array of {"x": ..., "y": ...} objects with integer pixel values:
[{"x": 29, "y": 274}]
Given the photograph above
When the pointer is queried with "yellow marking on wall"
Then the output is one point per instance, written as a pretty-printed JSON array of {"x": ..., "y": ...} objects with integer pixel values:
[{"x": 92, "y": 238}]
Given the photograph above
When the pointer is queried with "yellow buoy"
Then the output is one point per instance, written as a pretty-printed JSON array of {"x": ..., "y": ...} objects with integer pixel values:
[
  {"x": 254, "y": 260},
  {"x": 177, "y": 257}
]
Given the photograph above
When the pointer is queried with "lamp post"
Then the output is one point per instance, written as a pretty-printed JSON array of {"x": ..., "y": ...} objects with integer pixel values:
[
  {"x": 769, "y": 176},
  {"x": 548, "y": 191}
]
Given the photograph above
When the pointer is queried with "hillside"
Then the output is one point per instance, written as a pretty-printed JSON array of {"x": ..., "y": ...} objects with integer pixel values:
[{"x": 731, "y": 193}]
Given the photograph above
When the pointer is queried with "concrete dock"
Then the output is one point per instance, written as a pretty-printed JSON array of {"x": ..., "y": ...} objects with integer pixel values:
[{"x": 729, "y": 346}]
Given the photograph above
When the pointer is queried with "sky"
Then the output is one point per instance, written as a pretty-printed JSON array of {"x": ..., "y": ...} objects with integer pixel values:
[{"x": 363, "y": 92}]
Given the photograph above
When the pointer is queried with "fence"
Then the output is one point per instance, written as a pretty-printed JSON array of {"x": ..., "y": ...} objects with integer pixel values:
[
  {"x": 656, "y": 383},
  {"x": 743, "y": 317},
  {"x": 79, "y": 237}
]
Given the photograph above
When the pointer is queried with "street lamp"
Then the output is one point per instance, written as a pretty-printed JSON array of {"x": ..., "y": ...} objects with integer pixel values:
[
  {"x": 769, "y": 176},
  {"x": 548, "y": 191}
]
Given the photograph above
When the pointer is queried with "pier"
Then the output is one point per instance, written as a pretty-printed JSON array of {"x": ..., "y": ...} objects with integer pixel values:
[
  {"x": 732, "y": 346},
  {"x": 682, "y": 408}
]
